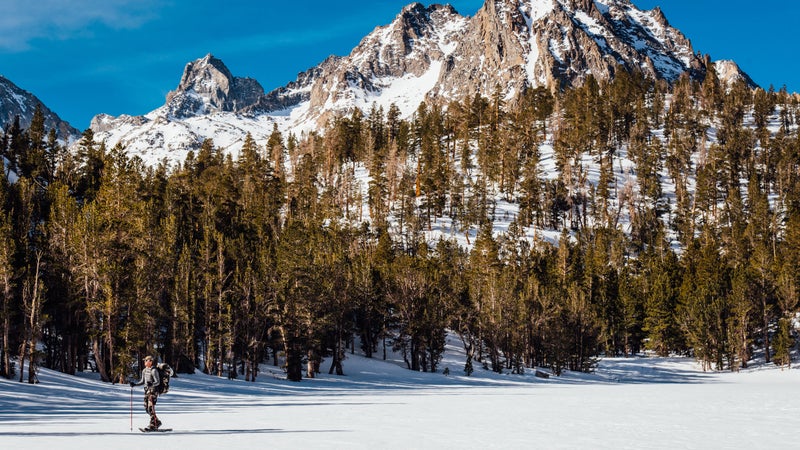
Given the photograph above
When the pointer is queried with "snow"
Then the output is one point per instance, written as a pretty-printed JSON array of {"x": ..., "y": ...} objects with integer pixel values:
[
  {"x": 533, "y": 12},
  {"x": 11, "y": 176},
  {"x": 589, "y": 23},
  {"x": 406, "y": 92},
  {"x": 636, "y": 402},
  {"x": 538, "y": 9},
  {"x": 533, "y": 59},
  {"x": 21, "y": 101},
  {"x": 645, "y": 18},
  {"x": 160, "y": 138},
  {"x": 603, "y": 8}
]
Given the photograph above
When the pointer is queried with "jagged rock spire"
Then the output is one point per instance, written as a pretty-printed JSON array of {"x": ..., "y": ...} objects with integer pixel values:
[{"x": 207, "y": 85}]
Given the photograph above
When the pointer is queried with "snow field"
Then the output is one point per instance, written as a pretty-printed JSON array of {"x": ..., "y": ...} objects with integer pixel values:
[{"x": 628, "y": 403}]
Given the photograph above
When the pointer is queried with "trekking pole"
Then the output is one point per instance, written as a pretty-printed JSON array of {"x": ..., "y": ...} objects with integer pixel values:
[{"x": 131, "y": 408}]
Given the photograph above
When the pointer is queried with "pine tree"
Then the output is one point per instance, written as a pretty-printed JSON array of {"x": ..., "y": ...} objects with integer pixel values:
[
  {"x": 275, "y": 148},
  {"x": 32, "y": 161},
  {"x": 18, "y": 147},
  {"x": 111, "y": 235},
  {"x": 704, "y": 307},
  {"x": 91, "y": 162},
  {"x": 296, "y": 290}
]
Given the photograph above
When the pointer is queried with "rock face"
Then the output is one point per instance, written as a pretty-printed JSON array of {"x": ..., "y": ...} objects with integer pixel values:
[
  {"x": 17, "y": 102},
  {"x": 295, "y": 92},
  {"x": 424, "y": 53},
  {"x": 510, "y": 45},
  {"x": 729, "y": 72},
  {"x": 208, "y": 86},
  {"x": 399, "y": 63}
]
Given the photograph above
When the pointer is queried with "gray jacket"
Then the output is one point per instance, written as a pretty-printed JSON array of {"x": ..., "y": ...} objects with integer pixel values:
[{"x": 150, "y": 377}]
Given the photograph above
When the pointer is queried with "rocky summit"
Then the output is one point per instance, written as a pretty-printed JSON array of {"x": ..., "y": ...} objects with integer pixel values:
[{"x": 208, "y": 86}]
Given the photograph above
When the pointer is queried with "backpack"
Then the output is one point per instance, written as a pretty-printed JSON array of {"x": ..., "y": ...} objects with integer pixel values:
[{"x": 164, "y": 372}]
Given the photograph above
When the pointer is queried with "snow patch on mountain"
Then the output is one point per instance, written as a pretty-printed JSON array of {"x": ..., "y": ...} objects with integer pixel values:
[
  {"x": 406, "y": 92},
  {"x": 537, "y": 10}
]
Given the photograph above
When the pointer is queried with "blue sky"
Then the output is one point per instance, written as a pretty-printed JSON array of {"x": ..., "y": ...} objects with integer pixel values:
[{"x": 84, "y": 57}]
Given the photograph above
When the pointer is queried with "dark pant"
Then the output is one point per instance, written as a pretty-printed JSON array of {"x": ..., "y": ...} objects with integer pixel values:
[{"x": 150, "y": 400}]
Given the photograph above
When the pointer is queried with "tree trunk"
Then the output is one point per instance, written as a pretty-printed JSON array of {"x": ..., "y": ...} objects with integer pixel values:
[
  {"x": 70, "y": 356},
  {"x": 99, "y": 360},
  {"x": 22, "y": 349},
  {"x": 767, "y": 356},
  {"x": 312, "y": 357},
  {"x": 470, "y": 351},
  {"x": 338, "y": 355},
  {"x": 32, "y": 307},
  {"x": 5, "y": 363},
  {"x": 294, "y": 359},
  {"x": 294, "y": 364}
]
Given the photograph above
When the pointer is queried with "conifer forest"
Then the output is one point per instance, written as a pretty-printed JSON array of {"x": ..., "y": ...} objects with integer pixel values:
[{"x": 277, "y": 256}]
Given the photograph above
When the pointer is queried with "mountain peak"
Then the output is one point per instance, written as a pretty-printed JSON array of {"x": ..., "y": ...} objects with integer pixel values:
[
  {"x": 659, "y": 16},
  {"x": 418, "y": 8},
  {"x": 207, "y": 85}
]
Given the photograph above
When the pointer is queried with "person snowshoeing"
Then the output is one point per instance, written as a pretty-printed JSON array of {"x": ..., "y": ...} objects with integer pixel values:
[{"x": 152, "y": 381}]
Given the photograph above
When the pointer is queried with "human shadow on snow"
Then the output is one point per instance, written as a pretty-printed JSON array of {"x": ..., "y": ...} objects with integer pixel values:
[{"x": 181, "y": 432}]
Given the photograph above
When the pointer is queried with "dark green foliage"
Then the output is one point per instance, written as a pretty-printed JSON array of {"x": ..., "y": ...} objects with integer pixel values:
[{"x": 278, "y": 254}]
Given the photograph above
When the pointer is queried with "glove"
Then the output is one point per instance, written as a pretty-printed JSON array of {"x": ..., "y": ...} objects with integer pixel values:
[{"x": 132, "y": 384}]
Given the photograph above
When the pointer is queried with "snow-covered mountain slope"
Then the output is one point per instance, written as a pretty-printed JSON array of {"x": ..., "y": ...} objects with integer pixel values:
[
  {"x": 399, "y": 63},
  {"x": 157, "y": 136},
  {"x": 425, "y": 53},
  {"x": 15, "y": 101}
]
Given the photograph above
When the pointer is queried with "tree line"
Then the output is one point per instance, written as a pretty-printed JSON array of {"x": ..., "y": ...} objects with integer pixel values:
[{"x": 279, "y": 256}]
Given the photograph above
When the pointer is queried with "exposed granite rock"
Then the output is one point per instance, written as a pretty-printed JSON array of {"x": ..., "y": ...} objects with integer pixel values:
[{"x": 208, "y": 86}]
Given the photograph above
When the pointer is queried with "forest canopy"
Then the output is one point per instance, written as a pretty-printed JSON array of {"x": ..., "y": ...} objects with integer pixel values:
[{"x": 284, "y": 254}]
